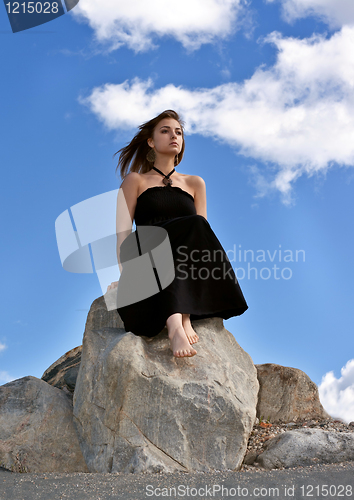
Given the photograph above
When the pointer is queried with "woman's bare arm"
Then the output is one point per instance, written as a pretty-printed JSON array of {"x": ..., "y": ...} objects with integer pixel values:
[{"x": 126, "y": 203}]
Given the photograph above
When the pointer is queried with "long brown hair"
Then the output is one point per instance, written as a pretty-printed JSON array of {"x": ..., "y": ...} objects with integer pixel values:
[{"x": 134, "y": 154}]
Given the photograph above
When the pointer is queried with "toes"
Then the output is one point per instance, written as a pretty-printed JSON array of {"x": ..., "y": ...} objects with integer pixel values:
[{"x": 182, "y": 353}]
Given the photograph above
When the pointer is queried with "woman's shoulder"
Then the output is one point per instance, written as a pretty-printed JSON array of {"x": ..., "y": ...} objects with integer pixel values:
[
  {"x": 194, "y": 180},
  {"x": 131, "y": 181},
  {"x": 196, "y": 185},
  {"x": 132, "y": 178},
  {"x": 133, "y": 175}
]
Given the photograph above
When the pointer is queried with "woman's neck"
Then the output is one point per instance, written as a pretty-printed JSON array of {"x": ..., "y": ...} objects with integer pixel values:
[{"x": 165, "y": 166}]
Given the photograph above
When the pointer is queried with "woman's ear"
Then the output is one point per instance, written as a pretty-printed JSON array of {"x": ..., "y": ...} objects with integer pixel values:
[{"x": 150, "y": 142}]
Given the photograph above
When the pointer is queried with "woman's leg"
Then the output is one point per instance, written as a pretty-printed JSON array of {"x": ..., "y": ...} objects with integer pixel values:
[
  {"x": 190, "y": 333},
  {"x": 179, "y": 341}
]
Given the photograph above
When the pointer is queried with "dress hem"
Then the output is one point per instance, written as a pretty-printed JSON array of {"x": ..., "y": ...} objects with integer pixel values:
[{"x": 225, "y": 314}]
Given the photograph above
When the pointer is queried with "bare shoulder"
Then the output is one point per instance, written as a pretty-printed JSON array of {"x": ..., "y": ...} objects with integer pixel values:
[
  {"x": 131, "y": 180},
  {"x": 130, "y": 186},
  {"x": 195, "y": 180},
  {"x": 196, "y": 183}
]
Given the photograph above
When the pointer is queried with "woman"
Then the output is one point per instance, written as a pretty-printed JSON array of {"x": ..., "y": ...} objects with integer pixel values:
[{"x": 156, "y": 195}]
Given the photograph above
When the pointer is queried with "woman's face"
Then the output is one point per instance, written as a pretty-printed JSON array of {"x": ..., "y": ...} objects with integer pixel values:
[{"x": 167, "y": 137}]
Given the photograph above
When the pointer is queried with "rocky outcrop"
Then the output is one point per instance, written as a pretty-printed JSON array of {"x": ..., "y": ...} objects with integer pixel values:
[
  {"x": 36, "y": 428},
  {"x": 287, "y": 394},
  {"x": 139, "y": 409},
  {"x": 99, "y": 317},
  {"x": 305, "y": 447},
  {"x": 63, "y": 373}
]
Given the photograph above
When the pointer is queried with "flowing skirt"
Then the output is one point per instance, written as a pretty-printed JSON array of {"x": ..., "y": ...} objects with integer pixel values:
[{"x": 204, "y": 284}]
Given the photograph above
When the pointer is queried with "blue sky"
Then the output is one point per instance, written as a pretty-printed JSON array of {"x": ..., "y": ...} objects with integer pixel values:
[{"x": 266, "y": 91}]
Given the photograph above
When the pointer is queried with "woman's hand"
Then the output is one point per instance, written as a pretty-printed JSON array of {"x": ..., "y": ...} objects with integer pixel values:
[{"x": 113, "y": 285}]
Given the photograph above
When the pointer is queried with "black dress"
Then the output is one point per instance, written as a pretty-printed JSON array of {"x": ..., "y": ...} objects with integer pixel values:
[{"x": 175, "y": 257}]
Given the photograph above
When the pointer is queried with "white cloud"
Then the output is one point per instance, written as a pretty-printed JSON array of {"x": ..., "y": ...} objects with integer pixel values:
[
  {"x": 334, "y": 12},
  {"x": 337, "y": 395},
  {"x": 297, "y": 116},
  {"x": 136, "y": 23},
  {"x": 2, "y": 347},
  {"x": 5, "y": 377}
]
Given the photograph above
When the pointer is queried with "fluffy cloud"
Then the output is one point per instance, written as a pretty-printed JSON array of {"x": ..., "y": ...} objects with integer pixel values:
[
  {"x": 137, "y": 22},
  {"x": 337, "y": 395},
  {"x": 335, "y": 12},
  {"x": 2, "y": 347},
  {"x": 297, "y": 116}
]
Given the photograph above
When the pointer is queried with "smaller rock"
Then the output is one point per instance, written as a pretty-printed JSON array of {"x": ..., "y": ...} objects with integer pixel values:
[
  {"x": 303, "y": 447},
  {"x": 63, "y": 372},
  {"x": 70, "y": 377},
  {"x": 287, "y": 394},
  {"x": 36, "y": 429}
]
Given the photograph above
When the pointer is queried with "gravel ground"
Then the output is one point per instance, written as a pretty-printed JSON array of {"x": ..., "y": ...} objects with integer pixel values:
[{"x": 298, "y": 483}]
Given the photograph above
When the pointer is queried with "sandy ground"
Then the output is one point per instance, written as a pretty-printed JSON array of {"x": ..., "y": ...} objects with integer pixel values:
[{"x": 330, "y": 481}]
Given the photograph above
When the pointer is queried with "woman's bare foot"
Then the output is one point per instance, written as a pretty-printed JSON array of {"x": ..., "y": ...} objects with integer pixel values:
[
  {"x": 190, "y": 333},
  {"x": 178, "y": 338},
  {"x": 179, "y": 343}
]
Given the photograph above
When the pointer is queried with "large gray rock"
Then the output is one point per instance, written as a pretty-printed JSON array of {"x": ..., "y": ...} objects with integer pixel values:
[
  {"x": 139, "y": 409},
  {"x": 287, "y": 394},
  {"x": 36, "y": 428},
  {"x": 98, "y": 316},
  {"x": 307, "y": 447}
]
